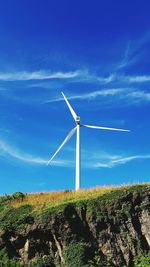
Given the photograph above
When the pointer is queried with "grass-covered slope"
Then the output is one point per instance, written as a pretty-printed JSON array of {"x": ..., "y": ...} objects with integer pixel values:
[
  {"x": 19, "y": 208},
  {"x": 105, "y": 225}
]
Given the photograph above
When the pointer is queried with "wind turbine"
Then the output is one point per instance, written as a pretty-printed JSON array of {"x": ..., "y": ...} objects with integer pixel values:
[{"x": 77, "y": 130}]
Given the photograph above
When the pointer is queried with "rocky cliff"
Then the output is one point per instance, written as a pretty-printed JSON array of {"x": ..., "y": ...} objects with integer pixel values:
[{"x": 108, "y": 229}]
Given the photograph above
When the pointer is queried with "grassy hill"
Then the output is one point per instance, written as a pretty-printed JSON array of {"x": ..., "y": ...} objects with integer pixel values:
[{"x": 99, "y": 227}]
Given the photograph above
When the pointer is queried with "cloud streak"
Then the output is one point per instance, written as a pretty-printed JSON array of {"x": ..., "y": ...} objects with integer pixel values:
[
  {"x": 80, "y": 74},
  {"x": 119, "y": 160},
  {"x": 91, "y": 95},
  {"x": 38, "y": 75},
  {"x": 10, "y": 152},
  {"x": 125, "y": 61},
  {"x": 103, "y": 160},
  {"x": 136, "y": 79},
  {"x": 125, "y": 91},
  {"x": 128, "y": 95},
  {"x": 125, "y": 78}
]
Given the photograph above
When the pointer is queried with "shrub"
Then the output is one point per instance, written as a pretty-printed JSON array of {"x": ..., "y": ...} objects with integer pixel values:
[
  {"x": 143, "y": 261},
  {"x": 18, "y": 196},
  {"x": 74, "y": 254},
  {"x": 11, "y": 218},
  {"x": 46, "y": 261},
  {"x": 5, "y": 198},
  {"x": 6, "y": 262},
  {"x": 98, "y": 261}
]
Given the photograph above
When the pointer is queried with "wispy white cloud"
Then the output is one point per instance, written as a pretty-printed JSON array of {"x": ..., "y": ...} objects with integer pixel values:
[
  {"x": 138, "y": 96},
  {"x": 126, "y": 96},
  {"x": 126, "y": 59},
  {"x": 38, "y": 75},
  {"x": 136, "y": 79},
  {"x": 11, "y": 152},
  {"x": 124, "y": 90},
  {"x": 110, "y": 161},
  {"x": 81, "y": 74},
  {"x": 91, "y": 95},
  {"x": 103, "y": 160},
  {"x": 125, "y": 78},
  {"x": 134, "y": 51},
  {"x": 103, "y": 92},
  {"x": 99, "y": 93},
  {"x": 105, "y": 80},
  {"x": 114, "y": 77}
]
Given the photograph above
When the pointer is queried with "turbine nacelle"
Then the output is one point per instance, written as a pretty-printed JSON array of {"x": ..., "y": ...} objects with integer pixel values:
[{"x": 78, "y": 120}]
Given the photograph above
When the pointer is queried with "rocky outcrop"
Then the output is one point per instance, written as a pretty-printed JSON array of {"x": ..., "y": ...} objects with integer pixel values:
[{"x": 116, "y": 228}]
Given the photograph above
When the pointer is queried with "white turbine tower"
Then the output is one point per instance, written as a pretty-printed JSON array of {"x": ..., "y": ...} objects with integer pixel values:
[{"x": 71, "y": 133}]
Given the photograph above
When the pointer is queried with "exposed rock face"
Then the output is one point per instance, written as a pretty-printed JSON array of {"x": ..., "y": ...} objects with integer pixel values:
[{"x": 116, "y": 230}]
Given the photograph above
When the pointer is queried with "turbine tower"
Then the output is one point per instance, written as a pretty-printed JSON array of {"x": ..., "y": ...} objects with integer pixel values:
[{"x": 77, "y": 130}]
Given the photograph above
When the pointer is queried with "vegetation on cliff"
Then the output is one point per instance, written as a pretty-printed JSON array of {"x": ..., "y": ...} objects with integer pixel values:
[{"x": 101, "y": 227}]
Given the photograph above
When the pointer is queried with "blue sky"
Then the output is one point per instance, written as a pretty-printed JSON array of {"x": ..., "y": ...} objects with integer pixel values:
[{"x": 97, "y": 53}]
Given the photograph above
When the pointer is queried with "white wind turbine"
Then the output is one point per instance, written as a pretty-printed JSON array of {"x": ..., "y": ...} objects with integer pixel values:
[{"x": 71, "y": 133}]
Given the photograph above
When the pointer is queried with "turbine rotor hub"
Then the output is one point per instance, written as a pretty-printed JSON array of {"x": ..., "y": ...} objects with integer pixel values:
[{"x": 78, "y": 120}]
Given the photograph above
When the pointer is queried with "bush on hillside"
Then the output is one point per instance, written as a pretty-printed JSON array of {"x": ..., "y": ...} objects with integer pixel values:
[
  {"x": 75, "y": 254},
  {"x": 143, "y": 261},
  {"x": 18, "y": 196},
  {"x": 6, "y": 262}
]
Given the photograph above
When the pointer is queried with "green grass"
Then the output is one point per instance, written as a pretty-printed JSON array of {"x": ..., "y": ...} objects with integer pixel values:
[{"x": 18, "y": 209}]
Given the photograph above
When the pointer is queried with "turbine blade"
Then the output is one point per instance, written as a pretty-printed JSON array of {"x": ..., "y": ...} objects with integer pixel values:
[
  {"x": 70, "y": 108},
  {"x": 104, "y": 128},
  {"x": 64, "y": 142}
]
